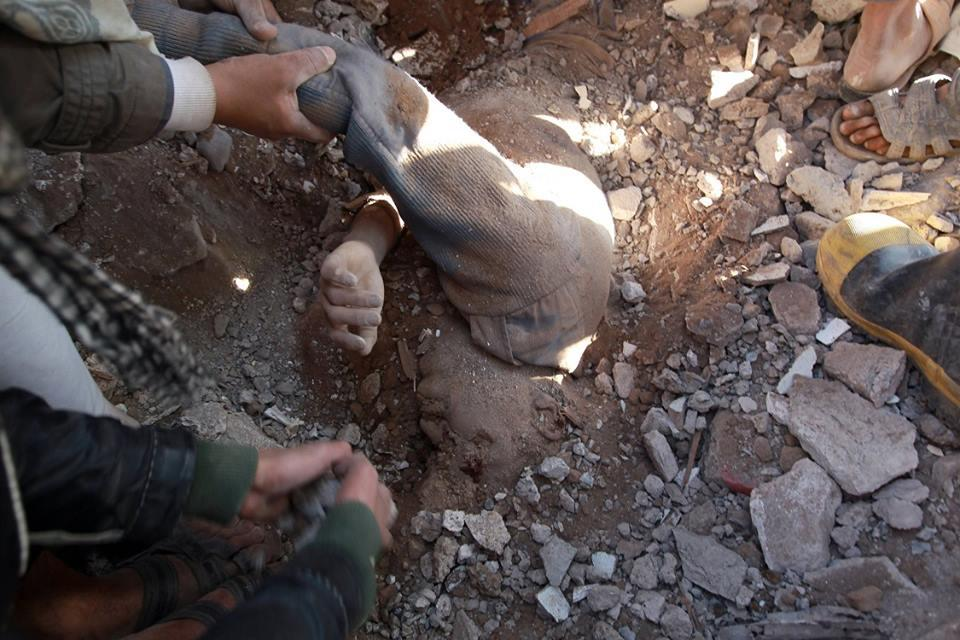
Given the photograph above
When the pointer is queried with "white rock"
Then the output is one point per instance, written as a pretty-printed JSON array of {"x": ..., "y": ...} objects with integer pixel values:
[
  {"x": 553, "y": 603},
  {"x": 453, "y": 521},
  {"x": 823, "y": 190},
  {"x": 710, "y": 185},
  {"x": 632, "y": 292},
  {"x": 833, "y": 11},
  {"x": 624, "y": 203},
  {"x": 729, "y": 86},
  {"x": 807, "y": 50},
  {"x": 832, "y": 332},
  {"x": 794, "y": 515},
  {"x": 685, "y": 9},
  {"x": 488, "y": 529},
  {"x": 802, "y": 366},
  {"x": 604, "y": 565},
  {"x": 877, "y": 200},
  {"x": 554, "y": 468}
]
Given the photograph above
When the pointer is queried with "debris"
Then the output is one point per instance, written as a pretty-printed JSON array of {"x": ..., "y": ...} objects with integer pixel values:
[
  {"x": 632, "y": 292},
  {"x": 553, "y": 603},
  {"x": 796, "y": 306},
  {"x": 623, "y": 379},
  {"x": 794, "y": 516},
  {"x": 807, "y": 50},
  {"x": 642, "y": 148},
  {"x": 729, "y": 449},
  {"x": 215, "y": 145},
  {"x": 661, "y": 455},
  {"x": 553, "y": 17},
  {"x": 709, "y": 564},
  {"x": 768, "y": 274},
  {"x": 710, "y": 185},
  {"x": 802, "y": 367},
  {"x": 557, "y": 555},
  {"x": 772, "y": 225},
  {"x": 624, "y": 203},
  {"x": 862, "y": 447},
  {"x": 685, "y": 9},
  {"x": 717, "y": 324},
  {"x": 823, "y": 190},
  {"x": 877, "y": 200},
  {"x": 730, "y": 86},
  {"x": 676, "y": 623},
  {"x": 898, "y": 513},
  {"x": 780, "y": 154},
  {"x": 833, "y": 11},
  {"x": 554, "y": 468},
  {"x": 408, "y": 362},
  {"x": 832, "y": 332},
  {"x": 488, "y": 530},
  {"x": 873, "y": 371}
]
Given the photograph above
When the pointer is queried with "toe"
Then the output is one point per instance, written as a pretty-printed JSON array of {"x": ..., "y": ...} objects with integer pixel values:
[
  {"x": 862, "y": 135},
  {"x": 850, "y": 126}
]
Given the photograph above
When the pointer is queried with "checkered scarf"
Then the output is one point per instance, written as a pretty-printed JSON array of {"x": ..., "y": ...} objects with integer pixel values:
[{"x": 140, "y": 340}]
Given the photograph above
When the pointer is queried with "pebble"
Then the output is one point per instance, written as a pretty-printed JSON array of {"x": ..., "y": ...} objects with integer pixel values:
[
  {"x": 832, "y": 331},
  {"x": 802, "y": 367},
  {"x": 632, "y": 292},
  {"x": 488, "y": 529},
  {"x": 554, "y": 468},
  {"x": 661, "y": 455},
  {"x": 557, "y": 555},
  {"x": 553, "y": 603},
  {"x": 624, "y": 203}
]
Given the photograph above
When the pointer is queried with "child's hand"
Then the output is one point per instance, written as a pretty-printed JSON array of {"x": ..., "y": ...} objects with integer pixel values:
[{"x": 351, "y": 296}]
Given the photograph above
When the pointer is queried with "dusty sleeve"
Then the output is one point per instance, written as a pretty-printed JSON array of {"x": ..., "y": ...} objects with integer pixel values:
[{"x": 96, "y": 97}]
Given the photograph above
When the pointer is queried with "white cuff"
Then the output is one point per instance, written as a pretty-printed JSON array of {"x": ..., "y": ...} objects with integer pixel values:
[{"x": 194, "y": 98}]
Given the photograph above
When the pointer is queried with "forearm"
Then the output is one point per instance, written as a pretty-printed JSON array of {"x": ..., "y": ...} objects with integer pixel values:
[{"x": 377, "y": 225}]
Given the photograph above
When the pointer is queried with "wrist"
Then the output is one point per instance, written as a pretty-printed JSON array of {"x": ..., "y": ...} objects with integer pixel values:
[
  {"x": 222, "y": 478},
  {"x": 194, "y": 96}
]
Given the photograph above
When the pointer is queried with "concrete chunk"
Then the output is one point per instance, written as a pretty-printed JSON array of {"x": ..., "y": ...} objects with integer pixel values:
[{"x": 873, "y": 371}]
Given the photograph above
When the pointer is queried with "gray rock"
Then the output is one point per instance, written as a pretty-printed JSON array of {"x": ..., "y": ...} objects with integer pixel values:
[
  {"x": 741, "y": 220},
  {"x": 661, "y": 455},
  {"x": 717, "y": 324},
  {"x": 603, "y": 631},
  {"x": 604, "y": 565},
  {"x": 527, "y": 490},
  {"x": 909, "y": 489},
  {"x": 632, "y": 292},
  {"x": 427, "y": 525},
  {"x": 56, "y": 189},
  {"x": 642, "y": 148},
  {"x": 603, "y": 597},
  {"x": 823, "y": 190},
  {"x": 676, "y": 623},
  {"x": 658, "y": 420},
  {"x": 768, "y": 274},
  {"x": 215, "y": 145},
  {"x": 653, "y": 485},
  {"x": 453, "y": 521},
  {"x": 645, "y": 572},
  {"x": 553, "y": 603},
  {"x": 845, "y": 537},
  {"x": 444, "y": 557},
  {"x": 557, "y": 555},
  {"x": 709, "y": 564},
  {"x": 623, "y": 379},
  {"x": 796, "y": 307},
  {"x": 554, "y": 468},
  {"x": 488, "y": 529},
  {"x": 794, "y": 516},
  {"x": 624, "y": 203},
  {"x": 812, "y": 225},
  {"x": 781, "y": 154},
  {"x": 873, "y": 371},
  {"x": 649, "y": 605},
  {"x": 540, "y": 533},
  {"x": 844, "y": 576},
  {"x": 464, "y": 628},
  {"x": 898, "y": 513},
  {"x": 860, "y": 446}
]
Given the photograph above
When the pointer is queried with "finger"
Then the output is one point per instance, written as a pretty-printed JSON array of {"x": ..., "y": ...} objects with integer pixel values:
[
  {"x": 348, "y": 341},
  {"x": 333, "y": 270},
  {"x": 307, "y": 63},
  {"x": 369, "y": 337},
  {"x": 255, "y": 19},
  {"x": 351, "y": 317},
  {"x": 849, "y": 126},
  {"x": 301, "y": 127},
  {"x": 350, "y": 297},
  {"x": 281, "y": 470},
  {"x": 875, "y": 144},
  {"x": 271, "y": 12}
]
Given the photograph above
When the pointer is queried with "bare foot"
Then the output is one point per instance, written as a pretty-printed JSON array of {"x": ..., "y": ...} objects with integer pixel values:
[
  {"x": 861, "y": 127},
  {"x": 893, "y": 37},
  {"x": 55, "y": 601},
  {"x": 351, "y": 296}
]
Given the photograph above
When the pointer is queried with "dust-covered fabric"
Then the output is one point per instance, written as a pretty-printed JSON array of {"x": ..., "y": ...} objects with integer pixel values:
[{"x": 73, "y": 21}]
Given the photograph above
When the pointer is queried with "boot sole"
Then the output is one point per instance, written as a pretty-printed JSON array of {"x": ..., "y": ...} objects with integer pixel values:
[{"x": 837, "y": 256}]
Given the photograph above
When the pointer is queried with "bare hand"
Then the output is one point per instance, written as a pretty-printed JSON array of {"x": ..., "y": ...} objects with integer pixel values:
[
  {"x": 351, "y": 296},
  {"x": 280, "y": 471},
  {"x": 360, "y": 483},
  {"x": 258, "y": 93},
  {"x": 258, "y": 16}
]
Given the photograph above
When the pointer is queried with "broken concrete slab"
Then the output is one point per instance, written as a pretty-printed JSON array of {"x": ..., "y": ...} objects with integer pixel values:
[
  {"x": 823, "y": 190},
  {"x": 729, "y": 86},
  {"x": 877, "y": 200},
  {"x": 709, "y": 564},
  {"x": 624, "y": 203},
  {"x": 873, "y": 371},
  {"x": 860, "y": 446},
  {"x": 488, "y": 529},
  {"x": 557, "y": 555},
  {"x": 794, "y": 515},
  {"x": 768, "y": 274},
  {"x": 796, "y": 307},
  {"x": 802, "y": 367}
]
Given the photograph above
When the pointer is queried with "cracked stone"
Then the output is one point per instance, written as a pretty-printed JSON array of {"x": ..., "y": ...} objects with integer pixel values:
[
  {"x": 796, "y": 306},
  {"x": 873, "y": 371},
  {"x": 661, "y": 455},
  {"x": 488, "y": 529},
  {"x": 823, "y": 190},
  {"x": 780, "y": 154},
  {"x": 729, "y": 86},
  {"x": 557, "y": 555},
  {"x": 709, "y": 564}
]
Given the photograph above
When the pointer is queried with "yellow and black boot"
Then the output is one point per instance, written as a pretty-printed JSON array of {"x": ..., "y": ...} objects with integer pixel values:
[{"x": 892, "y": 283}]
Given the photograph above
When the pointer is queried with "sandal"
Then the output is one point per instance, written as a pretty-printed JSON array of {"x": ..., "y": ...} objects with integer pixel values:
[
  {"x": 937, "y": 13},
  {"x": 921, "y": 122}
]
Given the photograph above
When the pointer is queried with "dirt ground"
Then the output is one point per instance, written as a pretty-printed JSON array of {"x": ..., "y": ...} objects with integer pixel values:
[{"x": 279, "y": 207}]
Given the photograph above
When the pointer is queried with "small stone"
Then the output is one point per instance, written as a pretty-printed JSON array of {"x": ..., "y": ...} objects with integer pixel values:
[
  {"x": 642, "y": 148},
  {"x": 453, "y": 521},
  {"x": 653, "y": 485},
  {"x": 540, "y": 533},
  {"x": 747, "y": 405},
  {"x": 794, "y": 516},
  {"x": 670, "y": 125},
  {"x": 557, "y": 555},
  {"x": 220, "y": 324},
  {"x": 807, "y": 50},
  {"x": 844, "y": 576},
  {"x": 812, "y": 225},
  {"x": 624, "y": 203},
  {"x": 940, "y": 223},
  {"x": 791, "y": 250},
  {"x": 943, "y": 244},
  {"x": 604, "y": 565},
  {"x": 796, "y": 307},
  {"x": 553, "y": 603},
  {"x": 710, "y": 185},
  {"x": 768, "y": 274},
  {"x": 464, "y": 628},
  {"x": 370, "y": 388},
  {"x": 745, "y": 108},
  {"x": 661, "y": 455},
  {"x": 632, "y": 292},
  {"x": 741, "y": 219},
  {"x": 215, "y": 145},
  {"x": 889, "y": 182},
  {"x": 932, "y": 164},
  {"x": 351, "y": 434},
  {"x": 554, "y": 468},
  {"x": 710, "y": 565},
  {"x": 833, "y": 11},
  {"x": 488, "y": 529},
  {"x": 772, "y": 225},
  {"x": 877, "y": 200},
  {"x": 768, "y": 25},
  {"x": 862, "y": 447},
  {"x": 729, "y": 86},
  {"x": 933, "y": 430},
  {"x": 717, "y": 324},
  {"x": 527, "y": 490},
  {"x": 649, "y": 605},
  {"x": 873, "y": 371},
  {"x": 685, "y": 9},
  {"x": 753, "y": 52},
  {"x": 603, "y": 597},
  {"x": 832, "y": 332},
  {"x": 676, "y": 623},
  {"x": 657, "y": 420},
  {"x": 866, "y": 599},
  {"x": 898, "y": 513},
  {"x": 823, "y": 190},
  {"x": 427, "y": 525},
  {"x": 801, "y": 367},
  {"x": 645, "y": 572},
  {"x": 623, "y": 379}
]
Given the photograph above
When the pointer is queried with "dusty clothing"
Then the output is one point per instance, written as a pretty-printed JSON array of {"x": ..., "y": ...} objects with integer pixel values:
[{"x": 515, "y": 249}]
